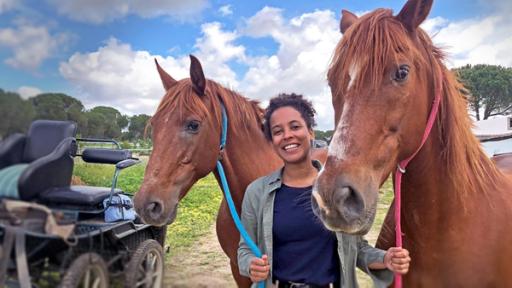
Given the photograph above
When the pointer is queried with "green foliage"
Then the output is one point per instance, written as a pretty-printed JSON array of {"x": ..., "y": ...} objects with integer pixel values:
[
  {"x": 137, "y": 126},
  {"x": 324, "y": 135},
  {"x": 489, "y": 86},
  {"x": 58, "y": 106},
  {"x": 105, "y": 122},
  {"x": 16, "y": 113},
  {"x": 129, "y": 179}
]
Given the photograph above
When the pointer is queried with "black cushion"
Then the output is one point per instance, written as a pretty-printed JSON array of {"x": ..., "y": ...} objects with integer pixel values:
[
  {"x": 44, "y": 135},
  {"x": 105, "y": 156},
  {"x": 76, "y": 195}
]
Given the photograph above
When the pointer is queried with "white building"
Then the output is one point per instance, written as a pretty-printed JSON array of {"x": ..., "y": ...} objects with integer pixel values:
[{"x": 495, "y": 134}]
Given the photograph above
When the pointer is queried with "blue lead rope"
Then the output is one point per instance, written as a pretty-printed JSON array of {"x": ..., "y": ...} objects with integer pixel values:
[{"x": 236, "y": 218}]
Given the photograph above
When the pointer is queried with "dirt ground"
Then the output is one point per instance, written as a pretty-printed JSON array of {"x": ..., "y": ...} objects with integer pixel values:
[
  {"x": 202, "y": 265},
  {"x": 205, "y": 264}
]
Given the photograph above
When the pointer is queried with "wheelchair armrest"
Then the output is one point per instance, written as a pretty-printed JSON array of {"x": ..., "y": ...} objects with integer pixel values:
[
  {"x": 127, "y": 163},
  {"x": 11, "y": 150},
  {"x": 52, "y": 170},
  {"x": 105, "y": 156}
]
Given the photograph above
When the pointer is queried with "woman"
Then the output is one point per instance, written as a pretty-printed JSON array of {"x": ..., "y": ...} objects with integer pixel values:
[{"x": 276, "y": 211}]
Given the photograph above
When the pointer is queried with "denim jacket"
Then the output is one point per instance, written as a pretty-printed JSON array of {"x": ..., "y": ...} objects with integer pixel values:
[{"x": 257, "y": 218}]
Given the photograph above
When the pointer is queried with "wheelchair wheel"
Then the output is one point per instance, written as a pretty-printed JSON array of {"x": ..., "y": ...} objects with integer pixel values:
[
  {"x": 88, "y": 270},
  {"x": 146, "y": 266}
]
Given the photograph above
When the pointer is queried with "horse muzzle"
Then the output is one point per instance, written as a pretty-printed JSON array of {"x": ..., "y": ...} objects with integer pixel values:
[
  {"x": 155, "y": 212},
  {"x": 342, "y": 208}
]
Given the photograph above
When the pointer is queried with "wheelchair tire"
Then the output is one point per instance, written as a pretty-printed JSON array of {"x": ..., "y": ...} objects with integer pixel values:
[
  {"x": 88, "y": 270},
  {"x": 146, "y": 266}
]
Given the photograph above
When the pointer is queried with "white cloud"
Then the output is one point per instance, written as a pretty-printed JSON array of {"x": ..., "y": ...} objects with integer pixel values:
[
  {"x": 117, "y": 76},
  {"x": 485, "y": 40},
  {"x": 99, "y": 11},
  {"x": 225, "y": 10},
  {"x": 27, "y": 91},
  {"x": 6, "y": 5},
  {"x": 306, "y": 44},
  {"x": 30, "y": 44}
]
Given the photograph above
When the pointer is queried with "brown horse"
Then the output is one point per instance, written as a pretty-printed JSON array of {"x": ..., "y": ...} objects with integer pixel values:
[
  {"x": 186, "y": 131},
  {"x": 456, "y": 204}
]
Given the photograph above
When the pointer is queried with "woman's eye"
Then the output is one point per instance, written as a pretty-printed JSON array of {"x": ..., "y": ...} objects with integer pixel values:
[
  {"x": 276, "y": 132},
  {"x": 401, "y": 73},
  {"x": 192, "y": 126}
]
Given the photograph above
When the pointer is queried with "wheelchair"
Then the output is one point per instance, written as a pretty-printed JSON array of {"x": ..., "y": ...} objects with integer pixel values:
[{"x": 54, "y": 234}]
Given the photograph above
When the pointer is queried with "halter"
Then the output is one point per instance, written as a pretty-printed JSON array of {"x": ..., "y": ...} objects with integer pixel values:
[
  {"x": 227, "y": 193},
  {"x": 400, "y": 170}
]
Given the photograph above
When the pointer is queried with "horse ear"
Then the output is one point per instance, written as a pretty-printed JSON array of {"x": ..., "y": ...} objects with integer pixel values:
[
  {"x": 197, "y": 76},
  {"x": 347, "y": 19},
  {"x": 167, "y": 80},
  {"x": 414, "y": 13}
]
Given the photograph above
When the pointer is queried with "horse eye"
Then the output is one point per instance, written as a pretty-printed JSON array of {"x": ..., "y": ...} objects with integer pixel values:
[
  {"x": 402, "y": 73},
  {"x": 192, "y": 126}
]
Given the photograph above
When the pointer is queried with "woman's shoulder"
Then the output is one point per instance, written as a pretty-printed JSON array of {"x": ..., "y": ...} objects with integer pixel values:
[{"x": 265, "y": 183}]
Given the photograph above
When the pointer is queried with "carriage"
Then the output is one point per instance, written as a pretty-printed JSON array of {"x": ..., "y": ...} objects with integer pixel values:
[{"x": 53, "y": 233}]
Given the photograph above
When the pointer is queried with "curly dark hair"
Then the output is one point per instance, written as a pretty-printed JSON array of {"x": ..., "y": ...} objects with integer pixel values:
[{"x": 297, "y": 102}]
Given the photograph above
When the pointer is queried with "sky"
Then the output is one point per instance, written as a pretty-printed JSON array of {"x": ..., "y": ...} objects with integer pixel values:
[{"x": 101, "y": 52}]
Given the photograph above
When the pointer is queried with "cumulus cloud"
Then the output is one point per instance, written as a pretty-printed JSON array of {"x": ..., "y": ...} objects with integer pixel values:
[
  {"x": 27, "y": 91},
  {"x": 118, "y": 76},
  {"x": 479, "y": 40},
  {"x": 99, "y": 11},
  {"x": 306, "y": 44},
  {"x": 30, "y": 45},
  {"x": 225, "y": 10}
]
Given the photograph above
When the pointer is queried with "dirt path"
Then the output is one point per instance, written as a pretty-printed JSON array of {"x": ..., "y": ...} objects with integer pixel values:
[
  {"x": 205, "y": 264},
  {"x": 202, "y": 265}
]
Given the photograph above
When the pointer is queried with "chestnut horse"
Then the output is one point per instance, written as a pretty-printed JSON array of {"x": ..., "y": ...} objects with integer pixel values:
[
  {"x": 186, "y": 131},
  {"x": 456, "y": 204}
]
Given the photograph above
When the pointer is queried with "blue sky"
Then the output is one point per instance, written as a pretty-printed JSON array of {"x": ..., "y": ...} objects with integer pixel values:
[{"x": 101, "y": 51}]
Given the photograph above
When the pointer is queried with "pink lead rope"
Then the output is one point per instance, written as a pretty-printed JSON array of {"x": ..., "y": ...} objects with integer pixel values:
[{"x": 400, "y": 170}]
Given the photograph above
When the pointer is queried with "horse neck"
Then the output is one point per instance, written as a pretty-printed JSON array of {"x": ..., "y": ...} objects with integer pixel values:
[
  {"x": 247, "y": 156},
  {"x": 431, "y": 199}
]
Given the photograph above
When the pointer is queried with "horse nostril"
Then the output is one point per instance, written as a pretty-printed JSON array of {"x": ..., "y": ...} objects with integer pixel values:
[
  {"x": 349, "y": 203},
  {"x": 154, "y": 209}
]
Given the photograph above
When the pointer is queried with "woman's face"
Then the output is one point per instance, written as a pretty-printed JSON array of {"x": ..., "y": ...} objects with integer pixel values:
[{"x": 291, "y": 137}]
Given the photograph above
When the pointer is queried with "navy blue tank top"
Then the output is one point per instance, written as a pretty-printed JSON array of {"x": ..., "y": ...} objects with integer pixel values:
[{"x": 304, "y": 251}]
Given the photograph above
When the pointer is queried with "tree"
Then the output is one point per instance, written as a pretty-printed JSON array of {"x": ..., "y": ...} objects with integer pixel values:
[
  {"x": 106, "y": 122},
  {"x": 58, "y": 106},
  {"x": 489, "y": 87},
  {"x": 137, "y": 126},
  {"x": 324, "y": 135},
  {"x": 17, "y": 114}
]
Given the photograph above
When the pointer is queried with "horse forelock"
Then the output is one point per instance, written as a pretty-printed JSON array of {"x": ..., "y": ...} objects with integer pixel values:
[
  {"x": 246, "y": 114},
  {"x": 366, "y": 48},
  {"x": 359, "y": 63}
]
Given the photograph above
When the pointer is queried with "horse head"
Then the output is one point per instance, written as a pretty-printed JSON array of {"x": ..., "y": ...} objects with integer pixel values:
[
  {"x": 382, "y": 81},
  {"x": 186, "y": 141}
]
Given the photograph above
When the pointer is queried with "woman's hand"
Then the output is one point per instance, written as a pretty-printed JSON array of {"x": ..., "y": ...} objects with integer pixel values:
[
  {"x": 397, "y": 260},
  {"x": 259, "y": 269}
]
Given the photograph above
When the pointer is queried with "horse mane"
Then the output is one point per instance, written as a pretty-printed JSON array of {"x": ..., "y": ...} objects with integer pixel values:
[
  {"x": 378, "y": 36},
  {"x": 242, "y": 112}
]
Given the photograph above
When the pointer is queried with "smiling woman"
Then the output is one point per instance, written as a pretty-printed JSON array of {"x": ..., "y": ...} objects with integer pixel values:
[{"x": 277, "y": 213}]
